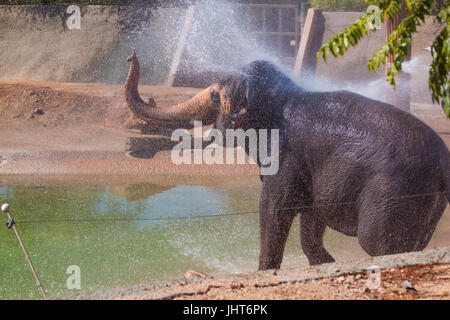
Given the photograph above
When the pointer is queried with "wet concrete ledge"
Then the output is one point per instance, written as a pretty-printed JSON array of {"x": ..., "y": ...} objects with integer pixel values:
[{"x": 170, "y": 290}]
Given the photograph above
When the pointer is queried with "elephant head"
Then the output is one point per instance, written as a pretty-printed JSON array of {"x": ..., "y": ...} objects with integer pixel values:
[{"x": 247, "y": 99}]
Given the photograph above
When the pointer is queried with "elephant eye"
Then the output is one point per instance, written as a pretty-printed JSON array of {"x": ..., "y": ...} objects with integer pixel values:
[{"x": 215, "y": 97}]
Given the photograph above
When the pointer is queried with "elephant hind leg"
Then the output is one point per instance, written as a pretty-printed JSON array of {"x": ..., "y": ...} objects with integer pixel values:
[
  {"x": 311, "y": 238},
  {"x": 389, "y": 226},
  {"x": 435, "y": 214}
]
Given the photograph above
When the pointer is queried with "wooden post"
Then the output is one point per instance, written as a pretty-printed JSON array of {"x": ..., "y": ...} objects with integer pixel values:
[
  {"x": 303, "y": 9},
  {"x": 401, "y": 96},
  {"x": 310, "y": 42},
  {"x": 184, "y": 33},
  {"x": 11, "y": 224}
]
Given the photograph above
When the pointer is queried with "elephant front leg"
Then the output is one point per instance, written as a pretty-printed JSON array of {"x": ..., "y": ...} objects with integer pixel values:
[
  {"x": 275, "y": 225},
  {"x": 311, "y": 237}
]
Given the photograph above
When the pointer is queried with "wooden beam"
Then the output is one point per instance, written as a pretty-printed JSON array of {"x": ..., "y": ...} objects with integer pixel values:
[
  {"x": 180, "y": 45},
  {"x": 310, "y": 42}
]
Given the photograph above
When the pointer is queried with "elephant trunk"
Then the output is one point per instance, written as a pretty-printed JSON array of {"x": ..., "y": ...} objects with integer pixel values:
[{"x": 183, "y": 115}]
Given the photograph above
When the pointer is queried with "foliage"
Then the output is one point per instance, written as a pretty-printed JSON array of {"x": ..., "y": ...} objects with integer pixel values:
[
  {"x": 339, "y": 5},
  {"x": 399, "y": 42},
  {"x": 139, "y": 2},
  {"x": 106, "y": 2},
  {"x": 90, "y": 2}
]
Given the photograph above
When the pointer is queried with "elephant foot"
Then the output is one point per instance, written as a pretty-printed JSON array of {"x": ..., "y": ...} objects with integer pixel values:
[
  {"x": 268, "y": 262},
  {"x": 268, "y": 266},
  {"x": 319, "y": 257}
]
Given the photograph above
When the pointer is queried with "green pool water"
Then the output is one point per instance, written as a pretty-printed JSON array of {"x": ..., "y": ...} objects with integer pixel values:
[
  {"x": 120, "y": 235},
  {"x": 111, "y": 248}
]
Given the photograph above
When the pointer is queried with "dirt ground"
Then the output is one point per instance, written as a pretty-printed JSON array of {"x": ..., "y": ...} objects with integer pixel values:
[{"x": 60, "y": 132}]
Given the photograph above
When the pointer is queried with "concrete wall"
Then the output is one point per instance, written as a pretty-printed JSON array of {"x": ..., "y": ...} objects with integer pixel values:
[
  {"x": 353, "y": 65},
  {"x": 36, "y": 43}
]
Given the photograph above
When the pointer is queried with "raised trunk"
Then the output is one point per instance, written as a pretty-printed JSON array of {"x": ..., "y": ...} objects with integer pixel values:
[{"x": 182, "y": 115}]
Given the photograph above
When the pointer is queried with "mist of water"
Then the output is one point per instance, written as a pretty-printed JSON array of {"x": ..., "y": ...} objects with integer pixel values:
[
  {"x": 378, "y": 89},
  {"x": 218, "y": 42}
]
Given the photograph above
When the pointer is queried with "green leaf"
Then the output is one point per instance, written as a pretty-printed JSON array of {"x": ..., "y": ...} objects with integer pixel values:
[
  {"x": 399, "y": 42},
  {"x": 326, "y": 52},
  {"x": 334, "y": 49}
]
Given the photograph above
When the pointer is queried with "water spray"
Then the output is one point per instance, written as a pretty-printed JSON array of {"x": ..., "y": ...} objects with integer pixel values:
[{"x": 10, "y": 224}]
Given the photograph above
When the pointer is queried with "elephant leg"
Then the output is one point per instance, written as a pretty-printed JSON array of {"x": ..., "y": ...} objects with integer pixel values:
[
  {"x": 276, "y": 213},
  {"x": 391, "y": 225},
  {"x": 275, "y": 226},
  {"x": 281, "y": 197},
  {"x": 311, "y": 238}
]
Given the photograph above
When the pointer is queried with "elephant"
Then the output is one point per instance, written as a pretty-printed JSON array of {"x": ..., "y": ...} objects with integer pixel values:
[{"x": 356, "y": 165}]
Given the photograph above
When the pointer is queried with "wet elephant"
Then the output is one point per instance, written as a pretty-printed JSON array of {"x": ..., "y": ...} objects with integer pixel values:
[{"x": 347, "y": 162}]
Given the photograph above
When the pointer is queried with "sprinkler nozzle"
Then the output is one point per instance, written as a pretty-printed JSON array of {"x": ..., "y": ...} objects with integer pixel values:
[{"x": 5, "y": 208}]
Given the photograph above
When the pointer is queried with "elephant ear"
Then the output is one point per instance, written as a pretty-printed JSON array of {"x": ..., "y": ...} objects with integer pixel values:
[{"x": 257, "y": 92}]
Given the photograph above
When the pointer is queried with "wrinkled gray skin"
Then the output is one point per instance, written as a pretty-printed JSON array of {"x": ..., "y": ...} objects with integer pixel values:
[{"x": 359, "y": 166}]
